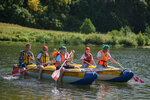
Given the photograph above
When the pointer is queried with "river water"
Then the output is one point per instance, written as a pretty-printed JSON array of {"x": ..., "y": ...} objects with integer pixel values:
[{"x": 28, "y": 88}]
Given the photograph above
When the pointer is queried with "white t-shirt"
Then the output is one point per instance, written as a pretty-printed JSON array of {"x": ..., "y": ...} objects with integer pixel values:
[
  {"x": 84, "y": 57},
  {"x": 39, "y": 55}
]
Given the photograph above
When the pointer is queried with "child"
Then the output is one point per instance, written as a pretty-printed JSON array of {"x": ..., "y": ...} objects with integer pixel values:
[{"x": 87, "y": 58}]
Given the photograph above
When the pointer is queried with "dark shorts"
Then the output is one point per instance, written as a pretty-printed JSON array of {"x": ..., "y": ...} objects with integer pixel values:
[{"x": 22, "y": 64}]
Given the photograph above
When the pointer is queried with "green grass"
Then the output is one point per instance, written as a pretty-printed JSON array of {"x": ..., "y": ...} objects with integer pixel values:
[{"x": 12, "y": 32}]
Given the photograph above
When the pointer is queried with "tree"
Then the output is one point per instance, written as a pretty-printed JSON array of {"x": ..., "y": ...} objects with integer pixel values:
[
  {"x": 87, "y": 26},
  {"x": 34, "y": 5}
]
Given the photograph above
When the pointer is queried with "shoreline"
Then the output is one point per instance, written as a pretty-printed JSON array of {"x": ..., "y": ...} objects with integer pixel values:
[{"x": 17, "y": 33}]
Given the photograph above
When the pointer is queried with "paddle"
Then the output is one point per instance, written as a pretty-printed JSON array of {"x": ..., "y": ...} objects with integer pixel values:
[
  {"x": 89, "y": 63},
  {"x": 19, "y": 72},
  {"x": 55, "y": 75},
  {"x": 136, "y": 79}
]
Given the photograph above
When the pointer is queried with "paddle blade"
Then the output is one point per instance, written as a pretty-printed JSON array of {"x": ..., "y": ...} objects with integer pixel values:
[
  {"x": 55, "y": 75},
  {"x": 18, "y": 72},
  {"x": 136, "y": 79}
]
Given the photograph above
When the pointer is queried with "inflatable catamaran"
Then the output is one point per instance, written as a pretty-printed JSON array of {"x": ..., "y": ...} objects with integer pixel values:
[{"x": 83, "y": 75}]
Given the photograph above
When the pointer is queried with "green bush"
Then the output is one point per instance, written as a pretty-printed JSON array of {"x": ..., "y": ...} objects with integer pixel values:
[
  {"x": 32, "y": 39},
  {"x": 23, "y": 39},
  {"x": 66, "y": 41},
  {"x": 94, "y": 39},
  {"x": 115, "y": 33},
  {"x": 140, "y": 39},
  {"x": 4, "y": 37},
  {"x": 76, "y": 40},
  {"x": 128, "y": 42},
  {"x": 146, "y": 40},
  {"x": 22, "y": 16},
  {"x": 15, "y": 39},
  {"x": 108, "y": 41},
  {"x": 43, "y": 38},
  {"x": 126, "y": 30},
  {"x": 114, "y": 40},
  {"x": 147, "y": 32},
  {"x": 58, "y": 39},
  {"x": 87, "y": 26}
]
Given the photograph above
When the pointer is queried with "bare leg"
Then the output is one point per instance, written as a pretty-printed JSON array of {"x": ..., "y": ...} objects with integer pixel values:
[
  {"x": 40, "y": 72},
  {"x": 61, "y": 75}
]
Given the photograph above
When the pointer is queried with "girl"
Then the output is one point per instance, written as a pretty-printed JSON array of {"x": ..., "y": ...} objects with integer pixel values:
[{"x": 87, "y": 58}]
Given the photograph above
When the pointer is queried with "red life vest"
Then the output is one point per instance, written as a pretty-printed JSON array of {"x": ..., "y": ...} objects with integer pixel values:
[
  {"x": 88, "y": 58},
  {"x": 62, "y": 60},
  {"x": 103, "y": 61}
]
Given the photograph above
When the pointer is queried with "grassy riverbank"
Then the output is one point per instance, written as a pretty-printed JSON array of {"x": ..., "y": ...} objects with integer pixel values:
[{"x": 12, "y": 32}]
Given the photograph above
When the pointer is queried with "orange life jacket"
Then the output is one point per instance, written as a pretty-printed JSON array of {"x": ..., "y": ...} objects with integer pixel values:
[
  {"x": 88, "y": 58},
  {"x": 62, "y": 60},
  {"x": 55, "y": 54},
  {"x": 103, "y": 61}
]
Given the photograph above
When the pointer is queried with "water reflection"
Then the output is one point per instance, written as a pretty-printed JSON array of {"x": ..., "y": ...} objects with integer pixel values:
[{"x": 26, "y": 87}]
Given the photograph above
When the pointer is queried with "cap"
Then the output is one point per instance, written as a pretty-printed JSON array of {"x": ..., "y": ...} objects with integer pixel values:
[
  {"x": 105, "y": 47},
  {"x": 45, "y": 47},
  {"x": 87, "y": 48},
  {"x": 62, "y": 48}
]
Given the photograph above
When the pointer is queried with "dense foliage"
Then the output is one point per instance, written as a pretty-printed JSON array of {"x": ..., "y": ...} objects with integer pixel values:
[
  {"x": 68, "y": 15},
  {"x": 120, "y": 20}
]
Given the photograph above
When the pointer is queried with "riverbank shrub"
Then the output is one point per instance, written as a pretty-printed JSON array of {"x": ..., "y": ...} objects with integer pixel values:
[
  {"x": 140, "y": 39},
  {"x": 114, "y": 40},
  {"x": 5, "y": 37},
  {"x": 94, "y": 39},
  {"x": 43, "y": 38},
  {"x": 23, "y": 39},
  {"x": 147, "y": 32},
  {"x": 146, "y": 40},
  {"x": 127, "y": 42},
  {"x": 10, "y": 32},
  {"x": 76, "y": 40},
  {"x": 58, "y": 40},
  {"x": 87, "y": 26},
  {"x": 15, "y": 39}
]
